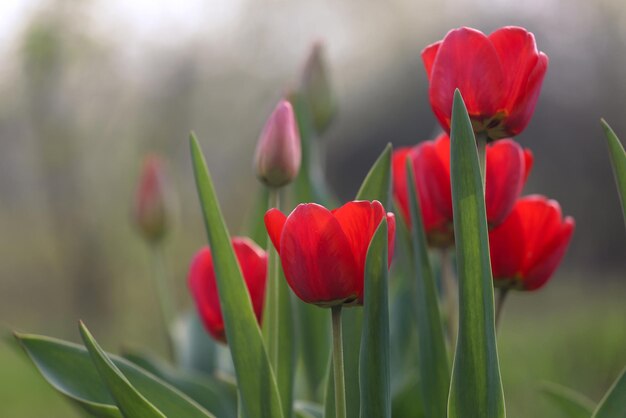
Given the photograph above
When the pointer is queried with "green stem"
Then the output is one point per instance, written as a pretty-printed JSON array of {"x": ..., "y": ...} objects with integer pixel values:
[
  {"x": 502, "y": 294},
  {"x": 164, "y": 295},
  {"x": 271, "y": 314},
  {"x": 451, "y": 295},
  {"x": 340, "y": 384}
]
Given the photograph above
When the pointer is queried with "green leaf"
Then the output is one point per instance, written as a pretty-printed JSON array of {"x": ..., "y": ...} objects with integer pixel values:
[
  {"x": 255, "y": 378},
  {"x": 329, "y": 394},
  {"x": 313, "y": 335},
  {"x": 303, "y": 409},
  {"x": 476, "y": 387},
  {"x": 408, "y": 401},
  {"x": 618, "y": 160},
  {"x": 377, "y": 183},
  {"x": 570, "y": 402},
  {"x": 217, "y": 396},
  {"x": 278, "y": 326},
  {"x": 433, "y": 356},
  {"x": 128, "y": 399},
  {"x": 69, "y": 369},
  {"x": 195, "y": 349},
  {"x": 256, "y": 224},
  {"x": 613, "y": 405},
  {"x": 374, "y": 361}
]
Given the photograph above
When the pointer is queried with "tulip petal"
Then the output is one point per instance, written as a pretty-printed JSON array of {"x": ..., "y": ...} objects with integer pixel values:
[
  {"x": 506, "y": 247},
  {"x": 529, "y": 161},
  {"x": 253, "y": 263},
  {"x": 428, "y": 56},
  {"x": 274, "y": 223},
  {"x": 391, "y": 236},
  {"x": 204, "y": 291},
  {"x": 432, "y": 176},
  {"x": 400, "y": 186},
  {"x": 317, "y": 257},
  {"x": 466, "y": 60},
  {"x": 505, "y": 179},
  {"x": 552, "y": 254},
  {"x": 524, "y": 106}
]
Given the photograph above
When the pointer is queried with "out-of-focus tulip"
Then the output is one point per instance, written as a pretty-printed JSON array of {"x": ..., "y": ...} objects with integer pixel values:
[
  {"x": 508, "y": 166},
  {"x": 316, "y": 89},
  {"x": 323, "y": 252},
  {"x": 528, "y": 246},
  {"x": 499, "y": 75},
  {"x": 152, "y": 207},
  {"x": 203, "y": 285},
  {"x": 278, "y": 153}
]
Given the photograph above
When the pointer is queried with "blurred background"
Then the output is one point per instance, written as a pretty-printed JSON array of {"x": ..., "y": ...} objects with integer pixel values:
[{"x": 88, "y": 87}]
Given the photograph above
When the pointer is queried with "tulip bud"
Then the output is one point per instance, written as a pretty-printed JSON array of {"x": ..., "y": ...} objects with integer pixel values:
[
  {"x": 278, "y": 153},
  {"x": 317, "y": 90},
  {"x": 151, "y": 210}
]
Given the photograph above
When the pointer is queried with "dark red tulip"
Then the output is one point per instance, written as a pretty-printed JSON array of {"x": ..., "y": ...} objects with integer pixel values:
[
  {"x": 499, "y": 76},
  {"x": 203, "y": 286},
  {"x": 323, "y": 252},
  {"x": 152, "y": 201},
  {"x": 529, "y": 245},
  {"x": 508, "y": 166}
]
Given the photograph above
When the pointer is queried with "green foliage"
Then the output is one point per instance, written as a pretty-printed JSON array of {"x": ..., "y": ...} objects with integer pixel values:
[
  {"x": 374, "y": 361},
  {"x": 476, "y": 387},
  {"x": 618, "y": 160},
  {"x": 572, "y": 403},
  {"x": 255, "y": 378},
  {"x": 613, "y": 405},
  {"x": 433, "y": 356}
]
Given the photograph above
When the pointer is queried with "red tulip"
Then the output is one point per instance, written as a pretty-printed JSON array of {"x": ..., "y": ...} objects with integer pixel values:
[
  {"x": 529, "y": 245},
  {"x": 203, "y": 286},
  {"x": 508, "y": 166},
  {"x": 499, "y": 75},
  {"x": 152, "y": 206},
  {"x": 323, "y": 252}
]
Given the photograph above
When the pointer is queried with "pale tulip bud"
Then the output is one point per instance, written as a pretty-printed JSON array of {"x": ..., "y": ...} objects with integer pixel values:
[
  {"x": 278, "y": 153},
  {"x": 317, "y": 91},
  {"x": 152, "y": 209}
]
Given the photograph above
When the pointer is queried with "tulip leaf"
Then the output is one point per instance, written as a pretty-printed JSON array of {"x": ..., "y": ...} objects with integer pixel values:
[
  {"x": 256, "y": 226},
  {"x": 255, "y": 378},
  {"x": 613, "y": 405},
  {"x": 433, "y": 356},
  {"x": 195, "y": 349},
  {"x": 308, "y": 410},
  {"x": 130, "y": 402},
  {"x": 618, "y": 160},
  {"x": 476, "y": 386},
  {"x": 329, "y": 395},
  {"x": 69, "y": 369},
  {"x": 374, "y": 360},
  {"x": 570, "y": 402},
  {"x": 216, "y": 396},
  {"x": 377, "y": 183}
]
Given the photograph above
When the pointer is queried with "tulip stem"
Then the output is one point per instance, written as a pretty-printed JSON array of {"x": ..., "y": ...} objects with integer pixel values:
[
  {"x": 451, "y": 292},
  {"x": 502, "y": 294},
  {"x": 164, "y": 295},
  {"x": 340, "y": 384},
  {"x": 271, "y": 312}
]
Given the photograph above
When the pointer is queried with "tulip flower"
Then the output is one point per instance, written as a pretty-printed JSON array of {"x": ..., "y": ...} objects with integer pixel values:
[
  {"x": 528, "y": 246},
  {"x": 499, "y": 75},
  {"x": 152, "y": 207},
  {"x": 278, "y": 154},
  {"x": 323, "y": 252},
  {"x": 203, "y": 286},
  {"x": 508, "y": 166}
]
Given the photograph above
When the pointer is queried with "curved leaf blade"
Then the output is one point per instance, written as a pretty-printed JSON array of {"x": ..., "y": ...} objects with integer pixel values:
[
  {"x": 433, "y": 356},
  {"x": 255, "y": 378},
  {"x": 618, "y": 161},
  {"x": 570, "y": 402},
  {"x": 476, "y": 386},
  {"x": 613, "y": 405},
  {"x": 374, "y": 361}
]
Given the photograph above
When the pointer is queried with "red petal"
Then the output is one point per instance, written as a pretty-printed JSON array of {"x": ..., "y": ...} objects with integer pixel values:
[
  {"x": 506, "y": 247},
  {"x": 428, "y": 57},
  {"x": 400, "y": 186},
  {"x": 253, "y": 263},
  {"x": 274, "y": 223},
  {"x": 203, "y": 287},
  {"x": 505, "y": 179},
  {"x": 391, "y": 236},
  {"x": 432, "y": 169},
  {"x": 468, "y": 61},
  {"x": 522, "y": 110},
  {"x": 317, "y": 257},
  {"x": 529, "y": 160}
]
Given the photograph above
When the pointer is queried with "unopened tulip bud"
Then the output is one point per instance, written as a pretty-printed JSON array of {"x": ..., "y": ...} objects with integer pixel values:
[
  {"x": 278, "y": 154},
  {"x": 151, "y": 210},
  {"x": 317, "y": 90}
]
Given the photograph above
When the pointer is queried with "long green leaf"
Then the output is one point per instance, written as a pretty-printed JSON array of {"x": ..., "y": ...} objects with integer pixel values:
[
  {"x": 374, "y": 361},
  {"x": 476, "y": 387},
  {"x": 433, "y": 357},
  {"x": 570, "y": 402},
  {"x": 195, "y": 349},
  {"x": 618, "y": 160},
  {"x": 217, "y": 396},
  {"x": 255, "y": 378},
  {"x": 132, "y": 403},
  {"x": 69, "y": 369},
  {"x": 377, "y": 183},
  {"x": 613, "y": 405}
]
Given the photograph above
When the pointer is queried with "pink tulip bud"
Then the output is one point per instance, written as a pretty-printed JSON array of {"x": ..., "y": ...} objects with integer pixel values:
[
  {"x": 278, "y": 153},
  {"x": 316, "y": 89},
  {"x": 151, "y": 210}
]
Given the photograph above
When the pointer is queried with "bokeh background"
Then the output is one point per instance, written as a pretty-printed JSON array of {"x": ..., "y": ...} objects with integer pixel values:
[{"x": 88, "y": 87}]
